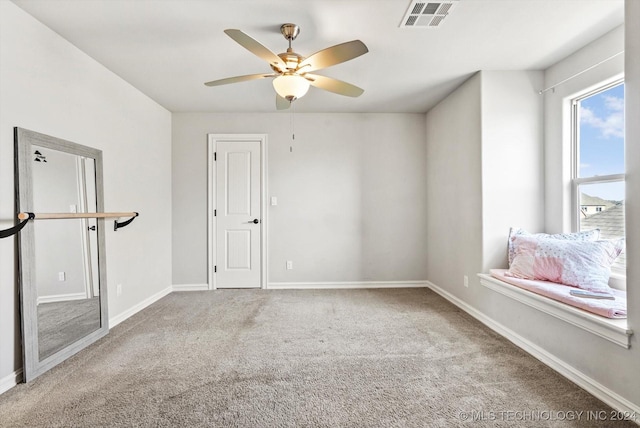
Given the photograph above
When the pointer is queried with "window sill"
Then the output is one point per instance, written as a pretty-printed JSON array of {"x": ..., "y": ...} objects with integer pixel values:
[{"x": 614, "y": 330}]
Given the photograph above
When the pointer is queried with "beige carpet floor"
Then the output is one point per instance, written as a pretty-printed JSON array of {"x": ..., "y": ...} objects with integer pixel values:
[{"x": 301, "y": 358}]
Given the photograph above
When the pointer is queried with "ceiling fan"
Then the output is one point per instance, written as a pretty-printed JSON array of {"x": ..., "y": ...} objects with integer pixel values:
[{"x": 292, "y": 71}]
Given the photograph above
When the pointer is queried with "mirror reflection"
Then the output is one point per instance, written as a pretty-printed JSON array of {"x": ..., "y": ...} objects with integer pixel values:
[{"x": 65, "y": 250}]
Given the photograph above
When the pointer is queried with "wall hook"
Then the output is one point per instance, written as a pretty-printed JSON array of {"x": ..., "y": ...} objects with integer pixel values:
[
  {"x": 117, "y": 225},
  {"x": 17, "y": 228}
]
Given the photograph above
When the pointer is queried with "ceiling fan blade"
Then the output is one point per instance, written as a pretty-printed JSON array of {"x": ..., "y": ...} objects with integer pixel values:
[
  {"x": 334, "y": 85},
  {"x": 238, "y": 79},
  {"x": 255, "y": 47},
  {"x": 333, "y": 55},
  {"x": 281, "y": 103}
]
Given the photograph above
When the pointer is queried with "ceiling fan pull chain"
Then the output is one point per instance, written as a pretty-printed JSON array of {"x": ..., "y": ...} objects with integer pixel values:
[{"x": 293, "y": 122}]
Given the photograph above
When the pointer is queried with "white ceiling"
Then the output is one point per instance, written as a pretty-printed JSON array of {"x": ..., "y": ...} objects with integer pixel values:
[{"x": 169, "y": 48}]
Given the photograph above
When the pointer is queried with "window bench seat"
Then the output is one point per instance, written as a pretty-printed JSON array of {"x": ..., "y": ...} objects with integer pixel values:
[{"x": 613, "y": 329}]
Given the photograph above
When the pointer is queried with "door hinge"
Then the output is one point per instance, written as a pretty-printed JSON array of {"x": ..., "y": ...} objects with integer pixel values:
[
  {"x": 215, "y": 156},
  {"x": 215, "y": 213},
  {"x": 215, "y": 268}
]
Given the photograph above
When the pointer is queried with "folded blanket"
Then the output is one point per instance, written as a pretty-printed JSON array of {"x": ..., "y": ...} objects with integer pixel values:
[{"x": 607, "y": 308}]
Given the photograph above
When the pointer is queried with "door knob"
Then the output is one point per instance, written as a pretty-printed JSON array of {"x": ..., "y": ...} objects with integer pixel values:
[
  {"x": 255, "y": 221},
  {"x": 92, "y": 228}
]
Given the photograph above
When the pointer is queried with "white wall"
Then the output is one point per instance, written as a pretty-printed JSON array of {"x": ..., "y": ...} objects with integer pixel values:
[
  {"x": 58, "y": 244},
  {"x": 49, "y": 86},
  {"x": 454, "y": 188},
  {"x": 351, "y": 195},
  {"x": 613, "y": 367},
  {"x": 512, "y": 173},
  {"x": 484, "y": 174}
]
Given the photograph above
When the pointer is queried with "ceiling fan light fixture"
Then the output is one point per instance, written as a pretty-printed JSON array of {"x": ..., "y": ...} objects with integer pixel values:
[{"x": 291, "y": 86}]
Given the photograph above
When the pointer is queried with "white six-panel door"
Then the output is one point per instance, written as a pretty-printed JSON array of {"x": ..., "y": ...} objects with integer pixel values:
[{"x": 238, "y": 214}]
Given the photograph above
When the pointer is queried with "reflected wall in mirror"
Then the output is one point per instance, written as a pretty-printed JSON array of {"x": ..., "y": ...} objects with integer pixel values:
[
  {"x": 68, "y": 302},
  {"x": 62, "y": 263}
]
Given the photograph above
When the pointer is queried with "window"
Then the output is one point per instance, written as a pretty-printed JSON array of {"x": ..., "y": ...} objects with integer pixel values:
[{"x": 598, "y": 164}]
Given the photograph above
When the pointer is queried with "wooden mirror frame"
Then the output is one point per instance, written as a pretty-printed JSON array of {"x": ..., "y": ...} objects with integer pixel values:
[{"x": 24, "y": 140}]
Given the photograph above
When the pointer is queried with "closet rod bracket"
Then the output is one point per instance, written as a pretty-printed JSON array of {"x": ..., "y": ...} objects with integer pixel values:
[
  {"x": 18, "y": 227},
  {"x": 120, "y": 225}
]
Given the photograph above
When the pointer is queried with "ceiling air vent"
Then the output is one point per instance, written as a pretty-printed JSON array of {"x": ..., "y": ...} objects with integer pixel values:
[{"x": 421, "y": 14}]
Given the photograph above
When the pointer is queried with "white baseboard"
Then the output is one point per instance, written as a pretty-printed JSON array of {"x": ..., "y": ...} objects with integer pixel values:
[
  {"x": 11, "y": 380},
  {"x": 61, "y": 297},
  {"x": 345, "y": 285},
  {"x": 190, "y": 287},
  {"x": 585, "y": 382},
  {"x": 114, "y": 321}
]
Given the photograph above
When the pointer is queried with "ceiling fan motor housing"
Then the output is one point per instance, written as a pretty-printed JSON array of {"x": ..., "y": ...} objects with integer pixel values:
[{"x": 291, "y": 59}]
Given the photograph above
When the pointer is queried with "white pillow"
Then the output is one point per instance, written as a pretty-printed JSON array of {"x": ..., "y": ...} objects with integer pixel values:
[
  {"x": 589, "y": 235},
  {"x": 582, "y": 264}
]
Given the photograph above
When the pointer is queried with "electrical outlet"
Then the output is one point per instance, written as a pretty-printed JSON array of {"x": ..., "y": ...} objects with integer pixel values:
[
  {"x": 62, "y": 276},
  {"x": 289, "y": 265},
  {"x": 274, "y": 201},
  {"x": 466, "y": 281},
  {"x": 119, "y": 290}
]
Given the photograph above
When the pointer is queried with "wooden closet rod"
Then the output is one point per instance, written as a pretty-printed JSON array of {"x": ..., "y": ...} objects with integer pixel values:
[{"x": 44, "y": 216}]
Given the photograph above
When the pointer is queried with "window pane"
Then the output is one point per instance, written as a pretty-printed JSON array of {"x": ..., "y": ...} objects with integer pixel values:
[
  {"x": 601, "y": 137},
  {"x": 602, "y": 207}
]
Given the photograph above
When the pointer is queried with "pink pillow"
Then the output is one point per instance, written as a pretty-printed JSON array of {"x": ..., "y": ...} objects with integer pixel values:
[
  {"x": 588, "y": 235},
  {"x": 582, "y": 264}
]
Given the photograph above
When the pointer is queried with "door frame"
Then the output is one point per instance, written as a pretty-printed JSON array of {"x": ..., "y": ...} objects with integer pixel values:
[{"x": 212, "y": 141}]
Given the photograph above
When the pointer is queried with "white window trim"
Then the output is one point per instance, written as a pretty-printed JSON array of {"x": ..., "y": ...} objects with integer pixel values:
[
  {"x": 575, "y": 153},
  {"x": 618, "y": 279}
]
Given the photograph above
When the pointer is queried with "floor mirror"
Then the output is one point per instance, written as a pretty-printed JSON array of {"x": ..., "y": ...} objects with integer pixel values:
[{"x": 62, "y": 265}]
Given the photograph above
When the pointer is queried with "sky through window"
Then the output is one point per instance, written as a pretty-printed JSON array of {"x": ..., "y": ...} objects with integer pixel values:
[{"x": 601, "y": 145}]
